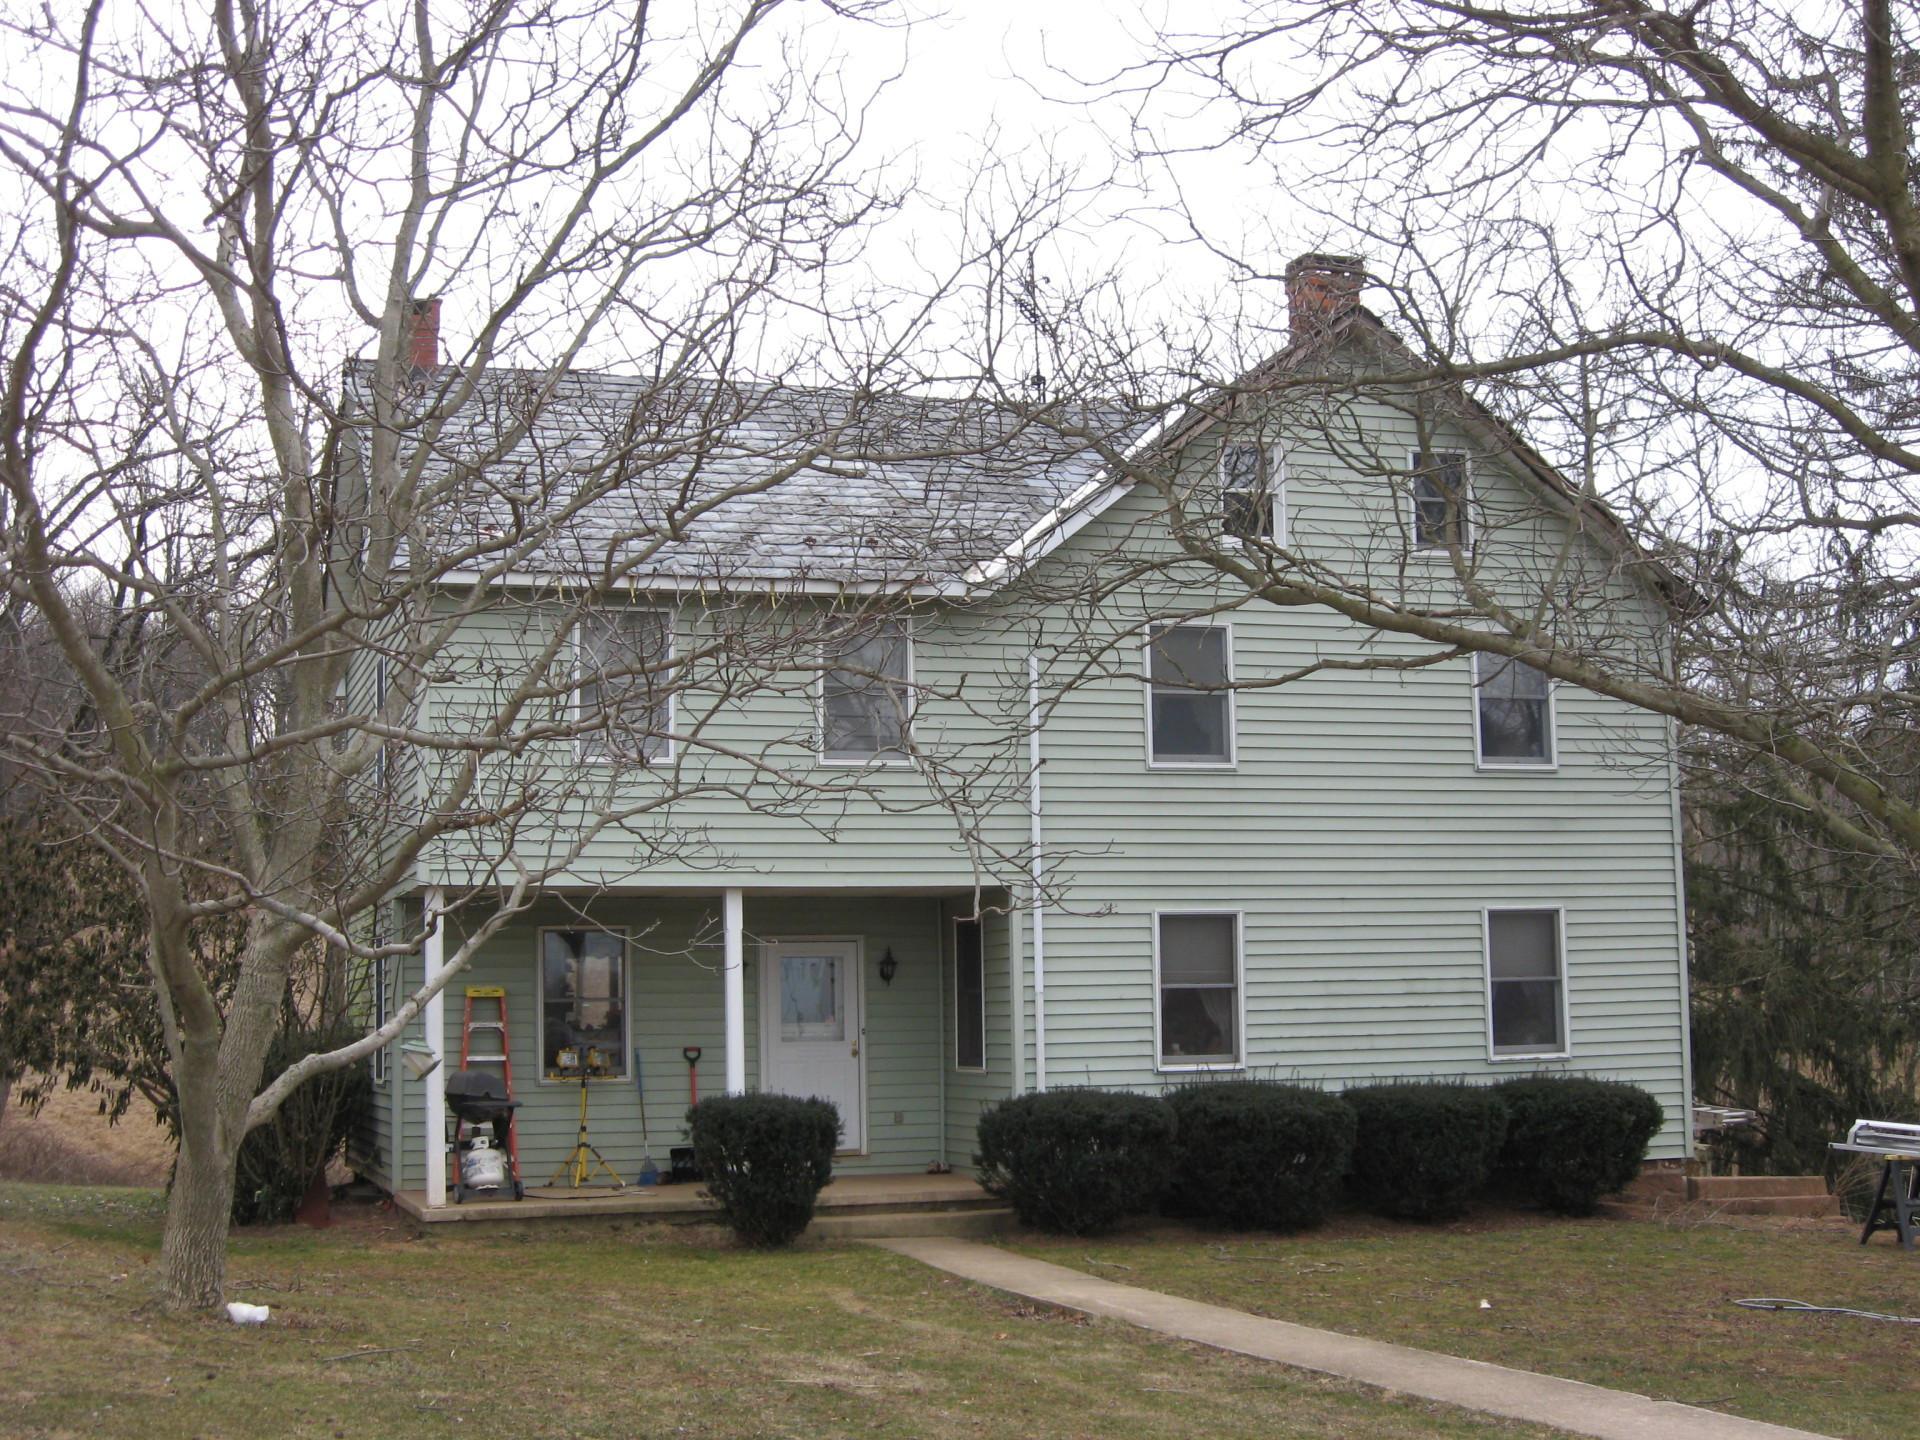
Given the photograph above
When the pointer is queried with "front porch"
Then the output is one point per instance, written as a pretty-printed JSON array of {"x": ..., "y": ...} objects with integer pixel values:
[
  {"x": 849, "y": 995},
  {"x": 851, "y": 1207}
]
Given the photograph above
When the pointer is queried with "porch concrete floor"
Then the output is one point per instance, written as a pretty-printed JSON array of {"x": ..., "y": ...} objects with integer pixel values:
[{"x": 849, "y": 1195}]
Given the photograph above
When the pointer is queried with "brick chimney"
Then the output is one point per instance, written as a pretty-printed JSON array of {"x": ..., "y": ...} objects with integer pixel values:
[
  {"x": 1321, "y": 288},
  {"x": 420, "y": 333}
]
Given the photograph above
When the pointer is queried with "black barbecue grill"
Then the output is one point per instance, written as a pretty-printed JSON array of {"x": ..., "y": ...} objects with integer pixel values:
[{"x": 476, "y": 1098}]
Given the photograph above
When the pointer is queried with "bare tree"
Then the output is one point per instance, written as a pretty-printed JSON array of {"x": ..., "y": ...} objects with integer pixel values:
[
  {"x": 1680, "y": 247},
  {"x": 318, "y": 625}
]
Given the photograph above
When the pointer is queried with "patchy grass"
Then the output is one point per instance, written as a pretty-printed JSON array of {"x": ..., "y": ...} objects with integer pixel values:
[
  {"x": 642, "y": 1334},
  {"x": 1633, "y": 1305}
]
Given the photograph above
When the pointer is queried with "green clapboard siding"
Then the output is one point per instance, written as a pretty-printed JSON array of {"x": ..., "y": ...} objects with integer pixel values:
[{"x": 1355, "y": 835}]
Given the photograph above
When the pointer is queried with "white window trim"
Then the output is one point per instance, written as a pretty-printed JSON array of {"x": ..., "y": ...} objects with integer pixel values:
[
  {"x": 1277, "y": 524},
  {"x": 1232, "y": 762},
  {"x": 1512, "y": 766},
  {"x": 985, "y": 1030},
  {"x": 576, "y": 650},
  {"x": 1161, "y": 1064},
  {"x": 540, "y": 1004},
  {"x": 884, "y": 760},
  {"x": 1415, "y": 463},
  {"x": 381, "y": 973},
  {"x": 1559, "y": 913}
]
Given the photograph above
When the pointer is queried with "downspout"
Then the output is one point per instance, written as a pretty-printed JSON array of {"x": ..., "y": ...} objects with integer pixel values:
[
  {"x": 1037, "y": 876},
  {"x": 433, "y": 959},
  {"x": 1687, "y": 1098}
]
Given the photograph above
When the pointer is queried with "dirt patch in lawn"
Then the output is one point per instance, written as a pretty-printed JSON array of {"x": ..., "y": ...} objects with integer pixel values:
[
  {"x": 648, "y": 1333},
  {"x": 1633, "y": 1305}
]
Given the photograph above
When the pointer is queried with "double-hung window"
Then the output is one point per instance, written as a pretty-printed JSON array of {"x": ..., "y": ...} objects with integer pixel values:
[
  {"x": 622, "y": 698},
  {"x": 1440, "y": 500},
  {"x": 866, "y": 704},
  {"x": 583, "y": 998},
  {"x": 1189, "y": 704},
  {"x": 969, "y": 997},
  {"x": 380, "y": 975},
  {"x": 1198, "y": 964},
  {"x": 1512, "y": 712},
  {"x": 1526, "y": 984},
  {"x": 1253, "y": 496}
]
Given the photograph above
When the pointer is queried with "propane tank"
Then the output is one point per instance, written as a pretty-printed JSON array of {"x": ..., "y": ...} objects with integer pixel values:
[{"x": 483, "y": 1167}]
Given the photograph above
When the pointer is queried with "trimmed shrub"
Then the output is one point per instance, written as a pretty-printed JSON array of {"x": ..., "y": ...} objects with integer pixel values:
[
  {"x": 1259, "y": 1155},
  {"x": 764, "y": 1158},
  {"x": 1075, "y": 1161},
  {"x": 1429, "y": 1148},
  {"x": 1571, "y": 1140}
]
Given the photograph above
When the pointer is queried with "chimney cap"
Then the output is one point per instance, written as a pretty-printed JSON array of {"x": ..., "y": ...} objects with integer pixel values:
[{"x": 1315, "y": 262}]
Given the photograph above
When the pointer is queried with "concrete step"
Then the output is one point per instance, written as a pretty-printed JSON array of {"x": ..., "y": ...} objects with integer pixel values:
[
  {"x": 914, "y": 1224},
  {"x": 1755, "y": 1187}
]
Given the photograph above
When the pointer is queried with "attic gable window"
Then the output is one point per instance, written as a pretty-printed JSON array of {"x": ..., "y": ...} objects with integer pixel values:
[
  {"x": 1440, "y": 495},
  {"x": 619, "y": 660},
  {"x": 866, "y": 709},
  {"x": 1252, "y": 496}
]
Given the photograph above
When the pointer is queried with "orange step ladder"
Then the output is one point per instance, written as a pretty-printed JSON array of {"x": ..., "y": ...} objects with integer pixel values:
[{"x": 499, "y": 1052}]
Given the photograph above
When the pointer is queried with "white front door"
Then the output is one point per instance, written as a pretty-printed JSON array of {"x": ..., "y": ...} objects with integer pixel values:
[{"x": 810, "y": 1023}]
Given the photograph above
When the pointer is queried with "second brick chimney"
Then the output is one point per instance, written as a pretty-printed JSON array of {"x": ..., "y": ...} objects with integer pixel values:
[
  {"x": 1320, "y": 289},
  {"x": 420, "y": 333}
]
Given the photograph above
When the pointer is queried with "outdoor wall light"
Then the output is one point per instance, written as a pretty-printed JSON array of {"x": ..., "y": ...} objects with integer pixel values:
[{"x": 889, "y": 967}]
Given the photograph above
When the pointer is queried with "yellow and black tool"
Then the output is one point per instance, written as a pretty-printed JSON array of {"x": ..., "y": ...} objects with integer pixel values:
[{"x": 583, "y": 1162}]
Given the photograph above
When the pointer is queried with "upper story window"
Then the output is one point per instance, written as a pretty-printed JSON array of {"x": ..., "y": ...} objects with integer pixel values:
[
  {"x": 1253, "y": 497},
  {"x": 1189, "y": 708},
  {"x": 1513, "y": 712},
  {"x": 1440, "y": 499},
  {"x": 1525, "y": 986},
  {"x": 866, "y": 707},
  {"x": 619, "y": 659},
  {"x": 1199, "y": 976}
]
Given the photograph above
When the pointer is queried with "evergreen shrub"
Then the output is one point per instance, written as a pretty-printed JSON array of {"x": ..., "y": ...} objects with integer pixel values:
[
  {"x": 1571, "y": 1140},
  {"x": 1259, "y": 1155},
  {"x": 279, "y": 1160},
  {"x": 1429, "y": 1148},
  {"x": 765, "y": 1158},
  {"x": 1074, "y": 1162}
]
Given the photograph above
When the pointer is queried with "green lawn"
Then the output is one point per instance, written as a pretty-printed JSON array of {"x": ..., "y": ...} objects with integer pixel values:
[
  {"x": 633, "y": 1335},
  {"x": 1638, "y": 1306}
]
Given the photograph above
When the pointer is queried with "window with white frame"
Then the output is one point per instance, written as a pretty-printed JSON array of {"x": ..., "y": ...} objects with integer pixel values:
[
  {"x": 620, "y": 657},
  {"x": 583, "y": 997},
  {"x": 1440, "y": 500},
  {"x": 1525, "y": 983},
  {"x": 381, "y": 1011},
  {"x": 1189, "y": 707},
  {"x": 1513, "y": 712},
  {"x": 1198, "y": 964},
  {"x": 969, "y": 996},
  {"x": 1253, "y": 496},
  {"x": 866, "y": 708}
]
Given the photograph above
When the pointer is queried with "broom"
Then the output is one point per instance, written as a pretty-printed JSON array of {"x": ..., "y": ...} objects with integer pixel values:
[{"x": 649, "y": 1172}]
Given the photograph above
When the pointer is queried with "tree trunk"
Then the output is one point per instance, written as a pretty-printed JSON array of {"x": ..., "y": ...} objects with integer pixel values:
[{"x": 193, "y": 1252}]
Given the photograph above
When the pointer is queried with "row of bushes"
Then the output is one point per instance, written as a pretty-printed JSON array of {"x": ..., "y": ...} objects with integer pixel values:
[{"x": 1263, "y": 1155}]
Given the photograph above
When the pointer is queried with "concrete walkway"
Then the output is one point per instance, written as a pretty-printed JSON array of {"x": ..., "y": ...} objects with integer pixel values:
[{"x": 1492, "y": 1389}]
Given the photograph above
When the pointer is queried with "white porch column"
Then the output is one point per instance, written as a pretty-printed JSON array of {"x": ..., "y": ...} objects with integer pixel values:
[
  {"x": 734, "y": 968},
  {"x": 1016, "y": 1002},
  {"x": 433, "y": 958}
]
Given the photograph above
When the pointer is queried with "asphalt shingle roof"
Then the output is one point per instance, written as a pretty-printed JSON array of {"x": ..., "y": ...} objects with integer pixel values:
[{"x": 739, "y": 484}]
